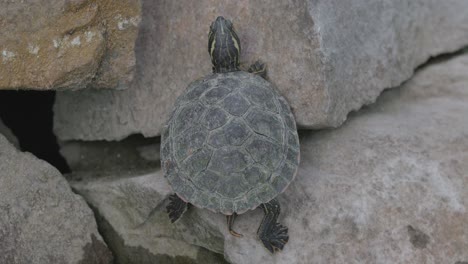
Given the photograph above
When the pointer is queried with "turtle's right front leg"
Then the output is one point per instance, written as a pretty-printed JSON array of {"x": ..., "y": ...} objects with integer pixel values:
[{"x": 176, "y": 207}]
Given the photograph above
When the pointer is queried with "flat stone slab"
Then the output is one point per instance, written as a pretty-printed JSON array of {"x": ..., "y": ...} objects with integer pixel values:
[
  {"x": 327, "y": 57},
  {"x": 41, "y": 220},
  {"x": 389, "y": 186},
  {"x": 61, "y": 44},
  {"x": 135, "y": 224},
  {"x": 123, "y": 182}
]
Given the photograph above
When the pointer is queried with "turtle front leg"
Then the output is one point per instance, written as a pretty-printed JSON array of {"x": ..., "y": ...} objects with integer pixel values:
[
  {"x": 176, "y": 207},
  {"x": 258, "y": 68},
  {"x": 273, "y": 235}
]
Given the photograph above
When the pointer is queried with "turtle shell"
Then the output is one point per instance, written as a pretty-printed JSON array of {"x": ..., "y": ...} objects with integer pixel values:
[{"x": 230, "y": 144}]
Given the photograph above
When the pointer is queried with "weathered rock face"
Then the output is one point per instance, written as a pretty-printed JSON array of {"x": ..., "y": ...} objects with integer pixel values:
[
  {"x": 135, "y": 225},
  {"x": 127, "y": 191},
  {"x": 41, "y": 219},
  {"x": 6, "y": 132},
  {"x": 389, "y": 186},
  {"x": 327, "y": 57},
  {"x": 63, "y": 44},
  {"x": 134, "y": 155}
]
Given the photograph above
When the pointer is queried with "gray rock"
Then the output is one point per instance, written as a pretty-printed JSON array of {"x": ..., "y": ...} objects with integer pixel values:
[
  {"x": 133, "y": 155},
  {"x": 8, "y": 134},
  {"x": 62, "y": 44},
  {"x": 41, "y": 219},
  {"x": 389, "y": 186},
  {"x": 127, "y": 191},
  {"x": 134, "y": 222},
  {"x": 327, "y": 57}
]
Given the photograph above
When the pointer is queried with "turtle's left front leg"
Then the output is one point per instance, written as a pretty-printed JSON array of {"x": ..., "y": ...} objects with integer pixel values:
[
  {"x": 258, "y": 68},
  {"x": 176, "y": 207},
  {"x": 273, "y": 234}
]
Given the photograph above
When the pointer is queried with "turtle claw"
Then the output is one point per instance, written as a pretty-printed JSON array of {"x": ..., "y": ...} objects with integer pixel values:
[
  {"x": 234, "y": 233},
  {"x": 176, "y": 207},
  {"x": 258, "y": 68},
  {"x": 230, "y": 221},
  {"x": 275, "y": 238}
]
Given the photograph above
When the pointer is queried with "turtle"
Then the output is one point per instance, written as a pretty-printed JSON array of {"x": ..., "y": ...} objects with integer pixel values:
[{"x": 230, "y": 144}]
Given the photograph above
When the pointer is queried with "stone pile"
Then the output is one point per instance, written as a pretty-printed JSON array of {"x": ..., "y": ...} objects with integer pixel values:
[
  {"x": 389, "y": 186},
  {"x": 385, "y": 184}
]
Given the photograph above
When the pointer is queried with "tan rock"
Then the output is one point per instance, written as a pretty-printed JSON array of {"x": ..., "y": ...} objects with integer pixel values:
[
  {"x": 63, "y": 44},
  {"x": 135, "y": 224}
]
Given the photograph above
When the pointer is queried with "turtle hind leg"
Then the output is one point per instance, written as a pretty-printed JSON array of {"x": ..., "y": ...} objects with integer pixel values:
[
  {"x": 230, "y": 222},
  {"x": 258, "y": 68},
  {"x": 273, "y": 235},
  {"x": 176, "y": 207}
]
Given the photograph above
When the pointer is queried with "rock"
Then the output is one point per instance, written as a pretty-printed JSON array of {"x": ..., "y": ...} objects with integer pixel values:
[
  {"x": 389, "y": 186},
  {"x": 8, "y": 134},
  {"x": 41, "y": 219},
  {"x": 133, "y": 221},
  {"x": 150, "y": 152},
  {"x": 327, "y": 57},
  {"x": 128, "y": 192},
  {"x": 63, "y": 44},
  {"x": 133, "y": 155}
]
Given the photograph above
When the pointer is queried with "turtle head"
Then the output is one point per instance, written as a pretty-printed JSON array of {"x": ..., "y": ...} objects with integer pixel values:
[{"x": 223, "y": 46}]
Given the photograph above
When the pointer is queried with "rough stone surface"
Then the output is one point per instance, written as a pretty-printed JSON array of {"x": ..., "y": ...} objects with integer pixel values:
[
  {"x": 389, "y": 186},
  {"x": 133, "y": 220},
  {"x": 8, "y": 134},
  {"x": 328, "y": 57},
  {"x": 63, "y": 44},
  {"x": 116, "y": 176},
  {"x": 41, "y": 220},
  {"x": 133, "y": 155}
]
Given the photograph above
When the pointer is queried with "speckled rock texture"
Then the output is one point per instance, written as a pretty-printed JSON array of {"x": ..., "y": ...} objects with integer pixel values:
[
  {"x": 123, "y": 183},
  {"x": 8, "y": 134},
  {"x": 389, "y": 186},
  {"x": 231, "y": 143},
  {"x": 41, "y": 220},
  {"x": 134, "y": 222},
  {"x": 64, "y": 44},
  {"x": 327, "y": 57}
]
